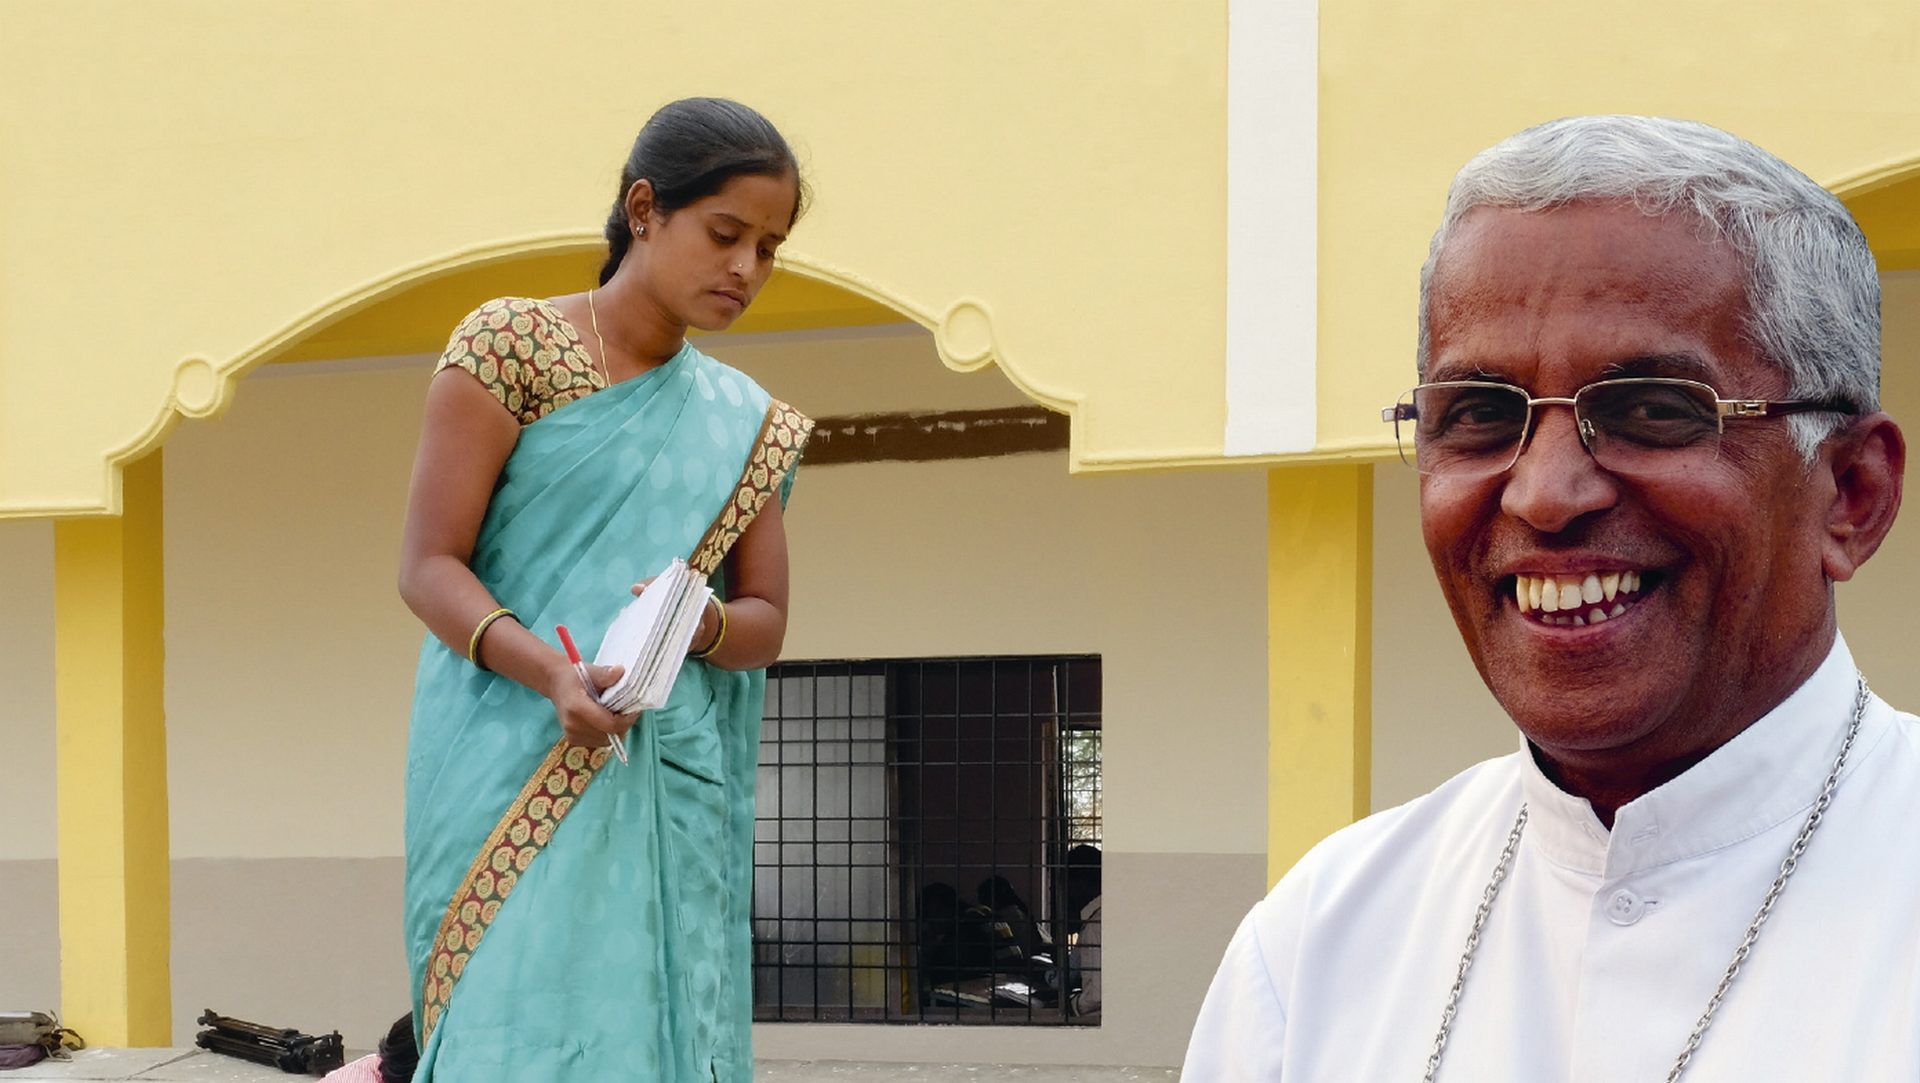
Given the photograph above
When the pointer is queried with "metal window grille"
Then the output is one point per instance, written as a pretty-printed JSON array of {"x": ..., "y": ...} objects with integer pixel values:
[{"x": 926, "y": 841}]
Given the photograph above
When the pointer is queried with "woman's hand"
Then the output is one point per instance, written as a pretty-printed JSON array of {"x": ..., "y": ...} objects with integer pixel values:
[
  {"x": 756, "y": 602},
  {"x": 706, "y": 630},
  {"x": 582, "y": 719}
]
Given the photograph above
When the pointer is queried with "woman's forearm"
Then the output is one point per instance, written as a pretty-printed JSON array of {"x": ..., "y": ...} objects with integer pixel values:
[
  {"x": 756, "y": 630},
  {"x": 444, "y": 593}
]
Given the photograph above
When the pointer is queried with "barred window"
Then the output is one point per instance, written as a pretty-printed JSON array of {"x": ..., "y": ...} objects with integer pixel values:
[{"x": 927, "y": 842}]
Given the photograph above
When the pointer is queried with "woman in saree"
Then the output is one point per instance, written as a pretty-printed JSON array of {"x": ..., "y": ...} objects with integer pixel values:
[{"x": 570, "y": 916}]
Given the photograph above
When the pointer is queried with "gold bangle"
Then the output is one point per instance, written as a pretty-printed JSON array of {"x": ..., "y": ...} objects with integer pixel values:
[
  {"x": 719, "y": 636},
  {"x": 486, "y": 622}
]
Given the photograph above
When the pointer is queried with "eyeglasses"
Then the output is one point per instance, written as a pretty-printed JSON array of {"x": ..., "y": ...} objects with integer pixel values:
[{"x": 1641, "y": 426}]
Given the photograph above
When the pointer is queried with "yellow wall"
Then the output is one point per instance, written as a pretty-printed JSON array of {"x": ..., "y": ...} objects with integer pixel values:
[
  {"x": 417, "y": 320},
  {"x": 190, "y": 186},
  {"x": 1408, "y": 92},
  {"x": 1043, "y": 184},
  {"x": 111, "y": 783},
  {"x": 1319, "y": 679},
  {"x": 1890, "y": 216}
]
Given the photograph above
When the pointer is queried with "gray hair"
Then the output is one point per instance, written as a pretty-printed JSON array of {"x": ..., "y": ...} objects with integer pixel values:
[{"x": 1813, "y": 291}]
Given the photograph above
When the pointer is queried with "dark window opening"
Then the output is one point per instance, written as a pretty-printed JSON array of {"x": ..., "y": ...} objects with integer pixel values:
[{"x": 927, "y": 842}]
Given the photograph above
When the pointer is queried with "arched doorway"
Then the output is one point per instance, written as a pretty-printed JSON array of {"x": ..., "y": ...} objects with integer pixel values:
[{"x": 280, "y": 566}]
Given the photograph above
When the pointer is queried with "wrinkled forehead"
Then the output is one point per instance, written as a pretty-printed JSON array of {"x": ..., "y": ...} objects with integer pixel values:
[{"x": 1573, "y": 290}]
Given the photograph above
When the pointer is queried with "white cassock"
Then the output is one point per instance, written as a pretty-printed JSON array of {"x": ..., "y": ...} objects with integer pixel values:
[{"x": 1603, "y": 947}]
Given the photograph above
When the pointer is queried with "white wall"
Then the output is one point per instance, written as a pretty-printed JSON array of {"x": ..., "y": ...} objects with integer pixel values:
[
  {"x": 1432, "y": 716},
  {"x": 288, "y": 650},
  {"x": 29, "y": 949},
  {"x": 26, "y": 691},
  {"x": 290, "y": 657},
  {"x": 1161, "y": 576}
]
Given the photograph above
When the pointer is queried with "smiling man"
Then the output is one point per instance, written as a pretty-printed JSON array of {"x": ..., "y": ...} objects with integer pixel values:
[{"x": 1650, "y": 443}]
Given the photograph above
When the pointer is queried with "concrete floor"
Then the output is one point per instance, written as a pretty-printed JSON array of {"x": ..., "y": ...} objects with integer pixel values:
[{"x": 199, "y": 1066}]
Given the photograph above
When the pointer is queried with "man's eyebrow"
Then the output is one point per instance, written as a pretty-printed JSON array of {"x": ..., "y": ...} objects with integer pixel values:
[
  {"x": 744, "y": 224},
  {"x": 1448, "y": 373},
  {"x": 1683, "y": 365}
]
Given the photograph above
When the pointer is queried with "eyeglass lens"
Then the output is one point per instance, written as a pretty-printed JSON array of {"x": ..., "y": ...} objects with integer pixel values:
[{"x": 1630, "y": 426}]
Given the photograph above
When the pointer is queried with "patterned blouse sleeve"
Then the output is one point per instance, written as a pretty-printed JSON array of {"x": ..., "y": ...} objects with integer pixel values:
[{"x": 495, "y": 344}]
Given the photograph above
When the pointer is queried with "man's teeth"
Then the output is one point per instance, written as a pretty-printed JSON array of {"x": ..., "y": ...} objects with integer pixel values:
[{"x": 1575, "y": 600}]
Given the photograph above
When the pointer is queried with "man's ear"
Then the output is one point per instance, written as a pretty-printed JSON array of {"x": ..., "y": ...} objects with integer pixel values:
[{"x": 1868, "y": 460}]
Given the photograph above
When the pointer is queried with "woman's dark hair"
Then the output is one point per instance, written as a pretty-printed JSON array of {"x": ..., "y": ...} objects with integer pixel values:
[
  {"x": 399, "y": 1055},
  {"x": 689, "y": 150}
]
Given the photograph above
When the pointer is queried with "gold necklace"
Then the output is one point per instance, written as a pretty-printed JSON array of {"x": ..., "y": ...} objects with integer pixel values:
[{"x": 593, "y": 314}]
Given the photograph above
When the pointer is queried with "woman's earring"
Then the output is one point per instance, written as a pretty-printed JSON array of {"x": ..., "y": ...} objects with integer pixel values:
[{"x": 639, "y": 230}]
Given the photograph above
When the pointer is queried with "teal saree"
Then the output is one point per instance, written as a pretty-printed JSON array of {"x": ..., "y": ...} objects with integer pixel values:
[{"x": 569, "y": 917}]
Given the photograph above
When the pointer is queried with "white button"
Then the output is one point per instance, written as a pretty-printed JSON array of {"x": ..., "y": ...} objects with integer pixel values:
[{"x": 1624, "y": 907}]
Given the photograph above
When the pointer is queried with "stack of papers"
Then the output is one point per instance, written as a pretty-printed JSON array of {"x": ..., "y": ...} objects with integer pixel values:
[{"x": 650, "y": 638}]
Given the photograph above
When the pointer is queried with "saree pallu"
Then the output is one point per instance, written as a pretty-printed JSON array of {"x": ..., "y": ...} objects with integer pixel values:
[{"x": 569, "y": 917}]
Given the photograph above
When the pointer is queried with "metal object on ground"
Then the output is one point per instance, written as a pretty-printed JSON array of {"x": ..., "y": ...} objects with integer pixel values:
[{"x": 282, "y": 1048}]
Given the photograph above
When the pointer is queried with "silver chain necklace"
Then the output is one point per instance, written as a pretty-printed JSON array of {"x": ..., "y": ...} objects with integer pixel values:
[{"x": 1787, "y": 867}]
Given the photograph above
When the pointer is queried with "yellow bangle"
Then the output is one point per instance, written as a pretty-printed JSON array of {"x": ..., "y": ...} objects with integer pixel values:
[
  {"x": 719, "y": 636},
  {"x": 486, "y": 622}
]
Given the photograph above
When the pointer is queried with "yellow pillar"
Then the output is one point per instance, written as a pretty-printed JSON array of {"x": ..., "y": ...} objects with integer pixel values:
[
  {"x": 1319, "y": 635},
  {"x": 109, "y": 664}
]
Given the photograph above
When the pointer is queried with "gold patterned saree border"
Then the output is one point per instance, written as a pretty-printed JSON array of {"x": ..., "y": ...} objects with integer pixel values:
[
  {"x": 564, "y": 774},
  {"x": 507, "y": 854},
  {"x": 775, "y": 451}
]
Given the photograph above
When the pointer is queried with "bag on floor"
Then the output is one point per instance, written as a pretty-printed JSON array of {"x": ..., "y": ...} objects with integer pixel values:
[{"x": 27, "y": 1038}]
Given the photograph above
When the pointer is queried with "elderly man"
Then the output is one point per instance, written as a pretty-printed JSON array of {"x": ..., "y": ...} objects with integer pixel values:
[{"x": 1650, "y": 444}]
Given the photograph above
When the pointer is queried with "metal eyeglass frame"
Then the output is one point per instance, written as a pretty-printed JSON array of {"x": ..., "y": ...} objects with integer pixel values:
[{"x": 1724, "y": 409}]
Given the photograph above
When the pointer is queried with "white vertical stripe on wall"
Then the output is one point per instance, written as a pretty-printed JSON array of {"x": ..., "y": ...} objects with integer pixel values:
[{"x": 1272, "y": 166}]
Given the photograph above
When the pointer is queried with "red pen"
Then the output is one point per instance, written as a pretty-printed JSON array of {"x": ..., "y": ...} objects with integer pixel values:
[{"x": 579, "y": 666}]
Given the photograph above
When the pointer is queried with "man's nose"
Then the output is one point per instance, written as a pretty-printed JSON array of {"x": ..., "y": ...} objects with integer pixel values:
[{"x": 1555, "y": 480}]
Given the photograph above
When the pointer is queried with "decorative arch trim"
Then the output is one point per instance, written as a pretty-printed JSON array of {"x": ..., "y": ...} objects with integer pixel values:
[
  {"x": 1894, "y": 171},
  {"x": 203, "y": 387},
  {"x": 1885, "y": 201}
]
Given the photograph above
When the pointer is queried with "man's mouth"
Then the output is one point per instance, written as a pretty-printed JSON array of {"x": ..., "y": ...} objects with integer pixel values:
[{"x": 1579, "y": 600}]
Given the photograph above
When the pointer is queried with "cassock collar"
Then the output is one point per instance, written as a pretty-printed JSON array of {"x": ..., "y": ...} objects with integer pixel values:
[{"x": 1770, "y": 772}]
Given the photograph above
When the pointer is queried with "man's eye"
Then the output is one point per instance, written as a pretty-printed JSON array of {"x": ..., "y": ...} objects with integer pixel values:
[
  {"x": 1481, "y": 411},
  {"x": 1659, "y": 405},
  {"x": 1660, "y": 411}
]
